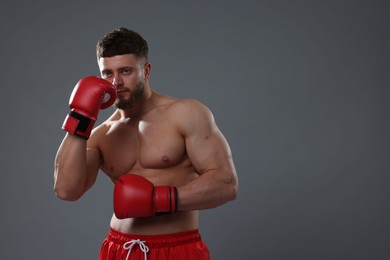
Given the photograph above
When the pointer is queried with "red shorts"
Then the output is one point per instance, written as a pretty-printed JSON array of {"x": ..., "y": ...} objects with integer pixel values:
[{"x": 183, "y": 245}]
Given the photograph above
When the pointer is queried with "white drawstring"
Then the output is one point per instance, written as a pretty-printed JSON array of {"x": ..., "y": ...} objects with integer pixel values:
[{"x": 129, "y": 245}]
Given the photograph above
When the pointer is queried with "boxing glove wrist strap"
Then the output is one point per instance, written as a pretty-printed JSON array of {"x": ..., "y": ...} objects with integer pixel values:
[
  {"x": 78, "y": 124},
  {"x": 165, "y": 200}
]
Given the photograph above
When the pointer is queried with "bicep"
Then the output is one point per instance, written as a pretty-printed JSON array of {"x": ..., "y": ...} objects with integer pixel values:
[
  {"x": 209, "y": 151},
  {"x": 93, "y": 157},
  {"x": 206, "y": 146}
]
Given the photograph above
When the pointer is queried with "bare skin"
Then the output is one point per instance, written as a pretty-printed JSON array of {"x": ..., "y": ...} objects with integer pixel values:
[{"x": 168, "y": 141}]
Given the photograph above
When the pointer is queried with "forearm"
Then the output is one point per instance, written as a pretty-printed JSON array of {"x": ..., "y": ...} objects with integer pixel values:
[
  {"x": 209, "y": 190},
  {"x": 70, "y": 169}
]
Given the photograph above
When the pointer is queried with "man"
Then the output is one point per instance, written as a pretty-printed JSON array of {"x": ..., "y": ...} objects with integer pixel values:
[{"x": 166, "y": 156}]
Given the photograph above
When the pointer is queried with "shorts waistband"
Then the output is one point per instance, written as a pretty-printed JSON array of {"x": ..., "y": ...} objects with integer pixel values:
[{"x": 155, "y": 241}]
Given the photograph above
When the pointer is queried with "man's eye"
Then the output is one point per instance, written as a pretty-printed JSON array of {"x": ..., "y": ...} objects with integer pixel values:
[
  {"x": 126, "y": 71},
  {"x": 106, "y": 74}
]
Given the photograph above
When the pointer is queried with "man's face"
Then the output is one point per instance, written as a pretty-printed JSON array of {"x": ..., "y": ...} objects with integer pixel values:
[{"x": 128, "y": 74}]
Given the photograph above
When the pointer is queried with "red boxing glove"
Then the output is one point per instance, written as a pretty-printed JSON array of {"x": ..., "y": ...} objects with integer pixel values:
[
  {"x": 135, "y": 196},
  {"x": 88, "y": 96}
]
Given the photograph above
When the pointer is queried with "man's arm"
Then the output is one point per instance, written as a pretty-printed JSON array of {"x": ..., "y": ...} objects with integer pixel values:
[
  {"x": 211, "y": 157},
  {"x": 75, "y": 168}
]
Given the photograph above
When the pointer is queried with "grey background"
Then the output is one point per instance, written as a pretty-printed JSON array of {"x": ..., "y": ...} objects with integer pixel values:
[{"x": 299, "y": 88}]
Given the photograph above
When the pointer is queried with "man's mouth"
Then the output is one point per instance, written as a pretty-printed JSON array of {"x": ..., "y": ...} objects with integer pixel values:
[{"x": 120, "y": 91}]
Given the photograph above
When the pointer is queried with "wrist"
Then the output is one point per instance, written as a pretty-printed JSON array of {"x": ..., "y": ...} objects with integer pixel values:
[
  {"x": 78, "y": 124},
  {"x": 165, "y": 199}
]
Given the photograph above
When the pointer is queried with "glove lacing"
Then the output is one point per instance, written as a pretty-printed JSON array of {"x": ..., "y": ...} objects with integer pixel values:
[{"x": 129, "y": 245}]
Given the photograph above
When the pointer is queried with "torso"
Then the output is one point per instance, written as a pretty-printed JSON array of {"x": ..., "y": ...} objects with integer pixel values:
[{"x": 152, "y": 146}]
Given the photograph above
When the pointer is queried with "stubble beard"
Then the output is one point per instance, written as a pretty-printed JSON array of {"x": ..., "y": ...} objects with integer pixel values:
[{"x": 135, "y": 96}]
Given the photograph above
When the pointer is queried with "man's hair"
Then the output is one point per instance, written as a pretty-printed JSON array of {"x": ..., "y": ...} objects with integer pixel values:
[{"x": 122, "y": 41}]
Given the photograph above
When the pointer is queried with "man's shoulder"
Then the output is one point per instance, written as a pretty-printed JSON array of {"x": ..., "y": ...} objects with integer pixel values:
[
  {"x": 190, "y": 114},
  {"x": 104, "y": 126},
  {"x": 187, "y": 105},
  {"x": 174, "y": 104}
]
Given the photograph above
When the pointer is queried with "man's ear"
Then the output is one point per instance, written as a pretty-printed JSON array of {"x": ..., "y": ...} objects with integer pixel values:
[{"x": 147, "y": 70}]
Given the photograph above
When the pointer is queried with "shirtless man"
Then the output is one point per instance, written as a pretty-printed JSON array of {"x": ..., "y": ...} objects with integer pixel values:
[{"x": 166, "y": 156}]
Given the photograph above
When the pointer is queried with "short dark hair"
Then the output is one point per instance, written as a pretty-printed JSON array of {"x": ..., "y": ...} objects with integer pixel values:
[{"x": 122, "y": 41}]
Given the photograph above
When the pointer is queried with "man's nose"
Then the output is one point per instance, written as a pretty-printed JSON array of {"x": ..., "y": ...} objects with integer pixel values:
[{"x": 117, "y": 81}]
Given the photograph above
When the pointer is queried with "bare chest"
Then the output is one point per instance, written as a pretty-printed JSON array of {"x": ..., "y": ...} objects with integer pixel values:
[{"x": 141, "y": 146}]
